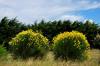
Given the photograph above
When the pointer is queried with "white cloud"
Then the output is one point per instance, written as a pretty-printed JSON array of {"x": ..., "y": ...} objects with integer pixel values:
[
  {"x": 71, "y": 17},
  {"x": 30, "y": 10},
  {"x": 90, "y": 20}
]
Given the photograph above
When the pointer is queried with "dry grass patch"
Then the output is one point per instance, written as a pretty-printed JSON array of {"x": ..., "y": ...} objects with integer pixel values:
[{"x": 94, "y": 60}]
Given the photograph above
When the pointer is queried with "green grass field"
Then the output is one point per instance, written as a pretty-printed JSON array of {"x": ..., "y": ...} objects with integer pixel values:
[{"x": 94, "y": 60}]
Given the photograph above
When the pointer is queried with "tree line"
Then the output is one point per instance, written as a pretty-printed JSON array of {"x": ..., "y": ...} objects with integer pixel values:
[{"x": 10, "y": 27}]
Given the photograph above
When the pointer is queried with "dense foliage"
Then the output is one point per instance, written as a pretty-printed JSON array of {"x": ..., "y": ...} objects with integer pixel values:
[
  {"x": 10, "y": 27},
  {"x": 96, "y": 42},
  {"x": 52, "y": 28},
  {"x": 70, "y": 45},
  {"x": 29, "y": 44}
]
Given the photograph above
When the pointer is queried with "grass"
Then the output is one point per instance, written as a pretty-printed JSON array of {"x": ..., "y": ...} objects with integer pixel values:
[{"x": 94, "y": 60}]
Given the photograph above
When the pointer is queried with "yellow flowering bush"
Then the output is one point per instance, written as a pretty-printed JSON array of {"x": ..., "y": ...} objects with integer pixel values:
[
  {"x": 29, "y": 43},
  {"x": 70, "y": 45}
]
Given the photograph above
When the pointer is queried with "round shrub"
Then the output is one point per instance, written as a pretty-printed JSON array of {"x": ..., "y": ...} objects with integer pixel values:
[
  {"x": 96, "y": 42},
  {"x": 70, "y": 45},
  {"x": 29, "y": 44}
]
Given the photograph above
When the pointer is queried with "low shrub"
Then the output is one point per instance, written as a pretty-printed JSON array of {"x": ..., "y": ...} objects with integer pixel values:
[
  {"x": 70, "y": 45},
  {"x": 29, "y": 44}
]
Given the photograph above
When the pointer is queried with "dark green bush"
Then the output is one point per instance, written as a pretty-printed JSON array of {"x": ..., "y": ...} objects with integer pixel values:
[
  {"x": 96, "y": 41},
  {"x": 29, "y": 44},
  {"x": 3, "y": 53},
  {"x": 70, "y": 45}
]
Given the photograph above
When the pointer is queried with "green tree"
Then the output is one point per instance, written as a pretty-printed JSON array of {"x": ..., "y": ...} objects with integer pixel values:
[{"x": 8, "y": 29}]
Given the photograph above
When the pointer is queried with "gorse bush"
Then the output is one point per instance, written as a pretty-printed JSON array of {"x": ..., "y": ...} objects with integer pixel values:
[
  {"x": 96, "y": 41},
  {"x": 29, "y": 44},
  {"x": 70, "y": 45},
  {"x": 3, "y": 53}
]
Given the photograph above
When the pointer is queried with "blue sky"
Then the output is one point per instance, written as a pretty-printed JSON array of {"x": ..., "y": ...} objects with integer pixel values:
[{"x": 28, "y": 11}]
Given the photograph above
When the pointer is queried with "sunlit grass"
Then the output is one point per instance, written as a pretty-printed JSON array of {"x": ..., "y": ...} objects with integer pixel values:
[{"x": 94, "y": 60}]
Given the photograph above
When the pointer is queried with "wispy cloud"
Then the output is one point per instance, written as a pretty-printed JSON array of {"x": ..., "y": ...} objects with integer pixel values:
[{"x": 30, "y": 10}]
